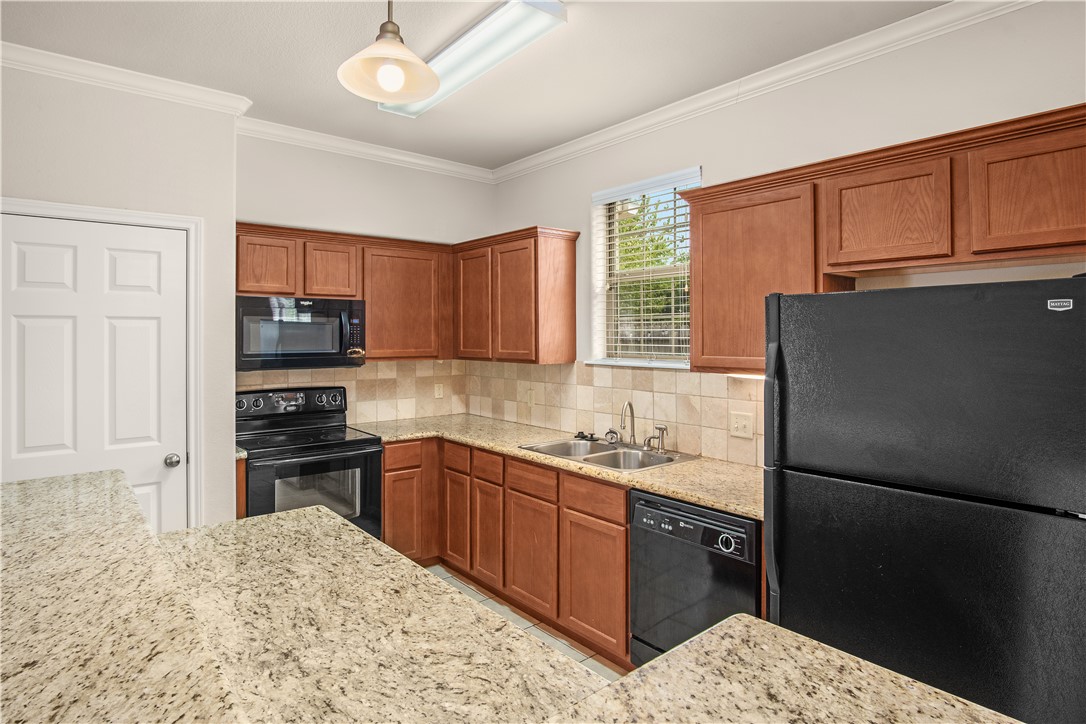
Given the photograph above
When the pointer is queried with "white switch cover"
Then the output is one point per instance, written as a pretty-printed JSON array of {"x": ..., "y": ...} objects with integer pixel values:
[
  {"x": 741, "y": 424},
  {"x": 439, "y": 391}
]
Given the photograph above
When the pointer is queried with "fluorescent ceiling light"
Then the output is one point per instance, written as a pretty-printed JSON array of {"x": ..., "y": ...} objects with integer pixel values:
[{"x": 499, "y": 36}]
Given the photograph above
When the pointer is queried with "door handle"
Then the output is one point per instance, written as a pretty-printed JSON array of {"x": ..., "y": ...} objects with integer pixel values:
[{"x": 172, "y": 460}]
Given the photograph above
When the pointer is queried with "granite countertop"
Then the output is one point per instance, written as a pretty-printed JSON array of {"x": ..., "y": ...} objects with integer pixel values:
[
  {"x": 96, "y": 626},
  {"x": 746, "y": 670},
  {"x": 302, "y": 616},
  {"x": 313, "y": 619},
  {"x": 240, "y": 453},
  {"x": 717, "y": 484}
]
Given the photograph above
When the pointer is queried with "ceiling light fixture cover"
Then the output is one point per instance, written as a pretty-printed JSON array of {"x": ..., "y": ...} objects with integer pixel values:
[
  {"x": 500, "y": 35},
  {"x": 387, "y": 71}
]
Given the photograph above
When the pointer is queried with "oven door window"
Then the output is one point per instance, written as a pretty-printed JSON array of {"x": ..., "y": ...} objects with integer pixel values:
[{"x": 338, "y": 490}]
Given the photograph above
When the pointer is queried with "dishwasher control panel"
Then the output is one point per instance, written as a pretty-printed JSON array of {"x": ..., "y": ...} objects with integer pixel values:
[{"x": 721, "y": 536}]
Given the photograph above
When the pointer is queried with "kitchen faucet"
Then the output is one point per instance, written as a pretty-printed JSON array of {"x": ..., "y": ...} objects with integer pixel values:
[{"x": 622, "y": 421}]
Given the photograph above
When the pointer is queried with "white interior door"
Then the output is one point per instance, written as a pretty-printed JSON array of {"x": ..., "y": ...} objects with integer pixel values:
[{"x": 94, "y": 356}]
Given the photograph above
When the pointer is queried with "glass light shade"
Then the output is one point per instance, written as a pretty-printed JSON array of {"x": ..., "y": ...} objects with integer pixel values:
[{"x": 359, "y": 73}]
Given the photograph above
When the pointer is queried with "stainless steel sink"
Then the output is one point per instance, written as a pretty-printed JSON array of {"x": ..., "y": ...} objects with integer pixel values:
[
  {"x": 629, "y": 459},
  {"x": 617, "y": 456},
  {"x": 570, "y": 448}
]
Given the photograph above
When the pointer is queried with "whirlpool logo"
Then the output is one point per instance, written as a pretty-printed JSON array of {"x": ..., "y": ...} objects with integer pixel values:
[{"x": 1060, "y": 305}]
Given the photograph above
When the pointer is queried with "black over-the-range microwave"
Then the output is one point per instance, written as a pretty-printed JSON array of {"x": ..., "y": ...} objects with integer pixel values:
[{"x": 275, "y": 333}]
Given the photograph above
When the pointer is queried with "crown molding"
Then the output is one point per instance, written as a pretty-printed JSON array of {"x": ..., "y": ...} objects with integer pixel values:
[
  {"x": 269, "y": 131},
  {"x": 43, "y": 62},
  {"x": 938, "y": 21}
]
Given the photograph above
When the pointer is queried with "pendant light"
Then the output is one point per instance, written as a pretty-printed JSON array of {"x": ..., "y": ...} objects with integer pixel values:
[{"x": 387, "y": 71}]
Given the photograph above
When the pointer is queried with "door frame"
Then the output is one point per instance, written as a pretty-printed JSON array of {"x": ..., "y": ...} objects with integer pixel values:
[{"x": 193, "y": 226}]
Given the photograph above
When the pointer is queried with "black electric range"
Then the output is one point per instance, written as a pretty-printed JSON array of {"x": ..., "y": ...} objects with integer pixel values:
[{"x": 301, "y": 452}]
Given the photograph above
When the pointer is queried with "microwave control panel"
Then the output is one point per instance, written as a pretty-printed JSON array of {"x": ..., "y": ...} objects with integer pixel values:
[{"x": 264, "y": 403}]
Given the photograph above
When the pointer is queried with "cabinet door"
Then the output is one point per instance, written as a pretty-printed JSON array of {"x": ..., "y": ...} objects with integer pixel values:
[
  {"x": 742, "y": 249},
  {"x": 267, "y": 265},
  {"x": 486, "y": 532},
  {"x": 473, "y": 304},
  {"x": 1030, "y": 192},
  {"x": 531, "y": 553},
  {"x": 331, "y": 270},
  {"x": 456, "y": 543},
  {"x": 898, "y": 212},
  {"x": 592, "y": 558},
  {"x": 400, "y": 523},
  {"x": 514, "y": 292},
  {"x": 402, "y": 299}
]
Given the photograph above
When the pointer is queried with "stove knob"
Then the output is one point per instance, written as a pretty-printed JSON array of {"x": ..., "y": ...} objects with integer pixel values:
[
  {"x": 726, "y": 543},
  {"x": 335, "y": 398},
  {"x": 258, "y": 403},
  {"x": 239, "y": 405},
  {"x": 321, "y": 399}
]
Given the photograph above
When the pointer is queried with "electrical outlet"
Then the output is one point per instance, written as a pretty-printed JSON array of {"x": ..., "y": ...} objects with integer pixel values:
[
  {"x": 741, "y": 424},
  {"x": 439, "y": 391}
]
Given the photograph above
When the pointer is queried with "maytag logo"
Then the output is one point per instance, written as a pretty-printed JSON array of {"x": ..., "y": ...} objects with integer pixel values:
[{"x": 1060, "y": 305}]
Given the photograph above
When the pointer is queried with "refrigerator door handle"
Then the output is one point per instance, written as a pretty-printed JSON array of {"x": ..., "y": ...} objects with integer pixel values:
[
  {"x": 772, "y": 362},
  {"x": 771, "y": 479}
]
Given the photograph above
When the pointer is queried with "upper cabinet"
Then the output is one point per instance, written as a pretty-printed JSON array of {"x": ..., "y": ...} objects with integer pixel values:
[
  {"x": 285, "y": 266},
  {"x": 267, "y": 265},
  {"x": 741, "y": 249},
  {"x": 516, "y": 296},
  {"x": 897, "y": 212},
  {"x": 403, "y": 303},
  {"x": 1029, "y": 192}
]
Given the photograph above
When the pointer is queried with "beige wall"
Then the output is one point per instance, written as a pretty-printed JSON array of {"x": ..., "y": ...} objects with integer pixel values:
[
  {"x": 77, "y": 143},
  {"x": 1022, "y": 62},
  {"x": 280, "y": 183}
]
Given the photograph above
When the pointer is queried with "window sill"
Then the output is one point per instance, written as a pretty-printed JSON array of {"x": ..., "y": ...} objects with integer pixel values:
[{"x": 654, "y": 364}]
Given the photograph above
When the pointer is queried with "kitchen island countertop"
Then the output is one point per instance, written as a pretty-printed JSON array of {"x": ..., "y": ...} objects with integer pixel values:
[
  {"x": 717, "y": 484},
  {"x": 301, "y": 616}
]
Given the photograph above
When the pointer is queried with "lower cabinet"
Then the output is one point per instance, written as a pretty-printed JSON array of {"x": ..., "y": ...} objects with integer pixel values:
[
  {"x": 409, "y": 498},
  {"x": 531, "y": 552},
  {"x": 240, "y": 481},
  {"x": 456, "y": 543},
  {"x": 487, "y": 518}
]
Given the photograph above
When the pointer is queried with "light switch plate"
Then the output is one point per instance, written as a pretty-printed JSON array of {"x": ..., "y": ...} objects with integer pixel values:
[{"x": 741, "y": 424}]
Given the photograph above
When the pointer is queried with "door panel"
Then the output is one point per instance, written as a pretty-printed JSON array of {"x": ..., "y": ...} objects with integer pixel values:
[
  {"x": 930, "y": 586},
  {"x": 531, "y": 552},
  {"x": 401, "y": 515},
  {"x": 593, "y": 587},
  {"x": 486, "y": 532},
  {"x": 94, "y": 362},
  {"x": 515, "y": 301},
  {"x": 456, "y": 548},
  {"x": 331, "y": 270},
  {"x": 473, "y": 304},
  {"x": 402, "y": 304},
  {"x": 267, "y": 266}
]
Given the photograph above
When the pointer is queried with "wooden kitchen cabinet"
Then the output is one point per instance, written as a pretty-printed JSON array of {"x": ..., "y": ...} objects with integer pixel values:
[
  {"x": 487, "y": 517},
  {"x": 473, "y": 303},
  {"x": 241, "y": 471},
  {"x": 403, "y": 303},
  {"x": 900, "y": 211},
  {"x": 741, "y": 249},
  {"x": 331, "y": 270},
  {"x": 1029, "y": 192},
  {"x": 409, "y": 497},
  {"x": 531, "y": 536},
  {"x": 267, "y": 266},
  {"x": 525, "y": 311},
  {"x": 456, "y": 528},
  {"x": 593, "y": 587}
]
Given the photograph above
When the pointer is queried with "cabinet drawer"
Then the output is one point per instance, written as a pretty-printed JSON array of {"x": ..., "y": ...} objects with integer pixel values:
[
  {"x": 458, "y": 457},
  {"x": 487, "y": 466},
  {"x": 403, "y": 455},
  {"x": 588, "y": 496},
  {"x": 533, "y": 480}
]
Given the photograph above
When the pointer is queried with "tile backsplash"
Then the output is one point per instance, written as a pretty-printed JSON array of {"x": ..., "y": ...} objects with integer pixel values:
[{"x": 694, "y": 406}]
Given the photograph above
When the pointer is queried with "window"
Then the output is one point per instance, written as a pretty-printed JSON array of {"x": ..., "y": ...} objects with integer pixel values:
[{"x": 641, "y": 266}]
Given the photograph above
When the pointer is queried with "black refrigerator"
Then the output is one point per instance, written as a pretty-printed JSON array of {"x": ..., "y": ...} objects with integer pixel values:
[{"x": 925, "y": 485}]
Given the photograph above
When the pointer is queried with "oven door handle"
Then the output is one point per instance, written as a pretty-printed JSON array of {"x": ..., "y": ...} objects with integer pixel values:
[{"x": 312, "y": 458}]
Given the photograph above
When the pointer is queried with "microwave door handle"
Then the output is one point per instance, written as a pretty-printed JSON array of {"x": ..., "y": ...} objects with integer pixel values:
[{"x": 345, "y": 333}]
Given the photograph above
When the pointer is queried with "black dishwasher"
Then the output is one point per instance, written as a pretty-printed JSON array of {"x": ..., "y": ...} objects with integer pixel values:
[{"x": 690, "y": 568}]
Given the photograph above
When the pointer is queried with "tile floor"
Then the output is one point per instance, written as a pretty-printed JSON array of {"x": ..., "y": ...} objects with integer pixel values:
[{"x": 532, "y": 625}]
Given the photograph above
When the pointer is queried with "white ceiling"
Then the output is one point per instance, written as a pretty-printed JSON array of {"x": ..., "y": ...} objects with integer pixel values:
[{"x": 612, "y": 61}]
